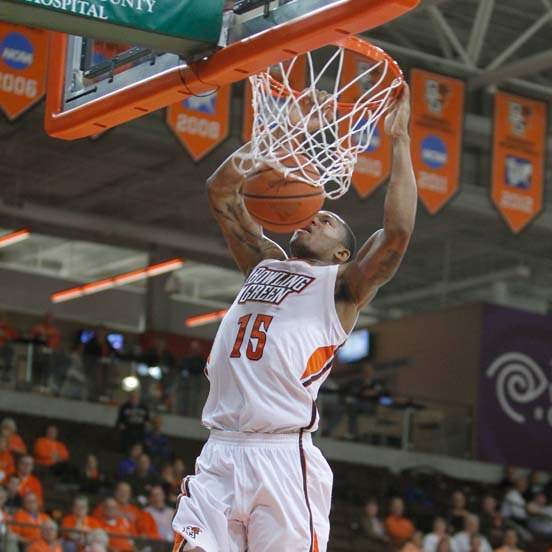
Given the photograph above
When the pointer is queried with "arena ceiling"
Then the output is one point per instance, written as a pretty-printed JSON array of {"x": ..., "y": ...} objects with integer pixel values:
[{"x": 136, "y": 189}]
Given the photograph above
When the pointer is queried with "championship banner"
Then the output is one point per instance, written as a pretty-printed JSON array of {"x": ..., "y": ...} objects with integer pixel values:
[
  {"x": 519, "y": 149},
  {"x": 514, "y": 412},
  {"x": 437, "y": 124},
  {"x": 23, "y": 60},
  {"x": 298, "y": 81},
  {"x": 201, "y": 123},
  {"x": 374, "y": 164}
]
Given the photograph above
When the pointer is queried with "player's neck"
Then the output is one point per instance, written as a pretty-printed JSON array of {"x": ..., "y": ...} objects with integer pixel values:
[{"x": 312, "y": 261}]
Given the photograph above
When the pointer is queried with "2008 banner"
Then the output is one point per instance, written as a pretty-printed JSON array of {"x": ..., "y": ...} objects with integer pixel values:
[
  {"x": 519, "y": 147},
  {"x": 23, "y": 57}
]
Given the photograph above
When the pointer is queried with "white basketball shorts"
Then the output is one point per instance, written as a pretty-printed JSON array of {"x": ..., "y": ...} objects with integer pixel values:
[{"x": 255, "y": 493}]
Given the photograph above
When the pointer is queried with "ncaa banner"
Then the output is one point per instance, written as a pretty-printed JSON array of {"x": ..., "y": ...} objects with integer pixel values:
[
  {"x": 201, "y": 123},
  {"x": 519, "y": 149},
  {"x": 23, "y": 59},
  {"x": 437, "y": 124},
  {"x": 514, "y": 412},
  {"x": 374, "y": 164},
  {"x": 297, "y": 80}
]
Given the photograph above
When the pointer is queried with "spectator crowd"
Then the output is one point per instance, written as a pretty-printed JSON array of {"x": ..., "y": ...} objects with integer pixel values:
[
  {"x": 92, "y": 364},
  {"x": 511, "y": 518},
  {"x": 127, "y": 510}
]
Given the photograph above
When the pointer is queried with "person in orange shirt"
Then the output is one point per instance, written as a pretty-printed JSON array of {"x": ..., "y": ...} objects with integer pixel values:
[
  {"x": 49, "y": 450},
  {"x": 117, "y": 527},
  {"x": 8, "y": 429},
  {"x": 26, "y": 521},
  {"x": 48, "y": 332},
  {"x": 48, "y": 541},
  {"x": 399, "y": 528},
  {"x": 146, "y": 526},
  {"x": 510, "y": 542},
  {"x": 123, "y": 497},
  {"x": 7, "y": 466},
  {"x": 79, "y": 521},
  {"x": 29, "y": 483}
]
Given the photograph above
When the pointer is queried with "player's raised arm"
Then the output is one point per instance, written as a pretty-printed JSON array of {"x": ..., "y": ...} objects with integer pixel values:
[
  {"x": 380, "y": 257},
  {"x": 243, "y": 235}
]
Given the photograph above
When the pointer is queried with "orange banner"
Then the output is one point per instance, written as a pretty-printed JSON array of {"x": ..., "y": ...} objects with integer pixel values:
[
  {"x": 201, "y": 123},
  {"x": 519, "y": 149},
  {"x": 23, "y": 59},
  {"x": 297, "y": 80},
  {"x": 374, "y": 164},
  {"x": 437, "y": 123}
]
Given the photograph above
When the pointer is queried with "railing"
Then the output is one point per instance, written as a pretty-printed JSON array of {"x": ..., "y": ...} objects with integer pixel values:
[{"x": 408, "y": 423}]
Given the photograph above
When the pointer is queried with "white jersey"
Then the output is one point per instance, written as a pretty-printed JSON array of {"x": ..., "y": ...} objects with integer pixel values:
[{"x": 274, "y": 349}]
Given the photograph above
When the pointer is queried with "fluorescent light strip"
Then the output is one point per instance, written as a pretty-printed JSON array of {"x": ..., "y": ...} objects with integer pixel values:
[
  {"x": 116, "y": 281},
  {"x": 204, "y": 319},
  {"x": 14, "y": 237}
]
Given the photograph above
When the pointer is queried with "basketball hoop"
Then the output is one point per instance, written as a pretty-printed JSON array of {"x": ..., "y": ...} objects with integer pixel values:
[{"x": 346, "y": 117}]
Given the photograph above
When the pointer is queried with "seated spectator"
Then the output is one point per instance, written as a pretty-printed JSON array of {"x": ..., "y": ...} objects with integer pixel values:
[
  {"x": 28, "y": 483},
  {"x": 8, "y": 429},
  {"x": 514, "y": 506},
  {"x": 146, "y": 526},
  {"x": 491, "y": 523},
  {"x": 536, "y": 484},
  {"x": 143, "y": 479},
  {"x": 398, "y": 527},
  {"x": 414, "y": 544},
  {"x": 163, "y": 514},
  {"x": 510, "y": 542},
  {"x": 157, "y": 445},
  {"x": 48, "y": 541},
  {"x": 170, "y": 484},
  {"x": 540, "y": 516},
  {"x": 127, "y": 465},
  {"x": 180, "y": 469},
  {"x": 49, "y": 450},
  {"x": 7, "y": 466},
  {"x": 13, "y": 501},
  {"x": 97, "y": 541},
  {"x": 125, "y": 508},
  {"x": 372, "y": 532},
  {"x": 79, "y": 520},
  {"x": 131, "y": 421},
  {"x": 457, "y": 512},
  {"x": 8, "y": 541},
  {"x": 117, "y": 527},
  {"x": 30, "y": 519},
  {"x": 476, "y": 543},
  {"x": 432, "y": 540},
  {"x": 92, "y": 479},
  {"x": 445, "y": 545},
  {"x": 7, "y": 335},
  {"x": 463, "y": 540}
]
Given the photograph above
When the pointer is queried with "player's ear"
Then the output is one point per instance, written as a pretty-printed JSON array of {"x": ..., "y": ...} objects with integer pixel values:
[{"x": 342, "y": 255}]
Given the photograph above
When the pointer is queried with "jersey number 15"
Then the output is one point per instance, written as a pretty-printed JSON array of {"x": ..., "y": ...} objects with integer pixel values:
[{"x": 258, "y": 333}]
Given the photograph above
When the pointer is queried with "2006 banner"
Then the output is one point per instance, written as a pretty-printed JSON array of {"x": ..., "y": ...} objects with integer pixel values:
[
  {"x": 201, "y": 123},
  {"x": 23, "y": 58},
  {"x": 519, "y": 149},
  {"x": 437, "y": 123}
]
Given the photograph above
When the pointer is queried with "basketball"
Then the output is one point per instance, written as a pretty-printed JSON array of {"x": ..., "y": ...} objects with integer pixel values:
[{"x": 282, "y": 204}]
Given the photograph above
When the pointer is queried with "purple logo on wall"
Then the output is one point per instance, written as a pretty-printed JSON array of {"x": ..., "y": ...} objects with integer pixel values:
[{"x": 515, "y": 391}]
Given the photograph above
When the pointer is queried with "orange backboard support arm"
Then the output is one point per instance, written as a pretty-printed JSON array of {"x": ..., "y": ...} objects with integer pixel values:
[{"x": 231, "y": 64}]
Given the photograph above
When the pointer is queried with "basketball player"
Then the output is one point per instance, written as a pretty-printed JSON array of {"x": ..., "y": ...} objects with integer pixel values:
[{"x": 260, "y": 484}]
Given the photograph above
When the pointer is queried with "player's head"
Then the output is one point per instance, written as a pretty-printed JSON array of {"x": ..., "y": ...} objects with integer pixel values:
[{"x": 327, "y": 238}]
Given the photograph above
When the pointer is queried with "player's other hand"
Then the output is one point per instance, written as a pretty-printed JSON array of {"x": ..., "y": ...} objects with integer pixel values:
[{"x": 397, "y": 121}]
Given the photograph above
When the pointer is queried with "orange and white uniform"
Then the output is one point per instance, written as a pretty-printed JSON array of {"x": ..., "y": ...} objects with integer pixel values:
[{"x": 260, "y": 484}]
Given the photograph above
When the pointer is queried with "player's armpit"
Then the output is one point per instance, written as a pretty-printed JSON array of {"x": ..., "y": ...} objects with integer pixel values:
[
  {"x": 244, "y": 236},
  {"x": 376, "y": 263}
]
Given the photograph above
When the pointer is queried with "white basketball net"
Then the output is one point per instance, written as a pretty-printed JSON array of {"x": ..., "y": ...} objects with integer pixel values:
[{"x": 332, "y": 148}]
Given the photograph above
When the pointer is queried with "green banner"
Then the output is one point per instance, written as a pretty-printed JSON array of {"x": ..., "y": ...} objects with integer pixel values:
[{"x": 199, "y": 20}]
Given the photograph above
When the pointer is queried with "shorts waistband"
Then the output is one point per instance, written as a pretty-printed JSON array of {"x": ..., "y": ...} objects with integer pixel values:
[{"x": 254, "y": 439}]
